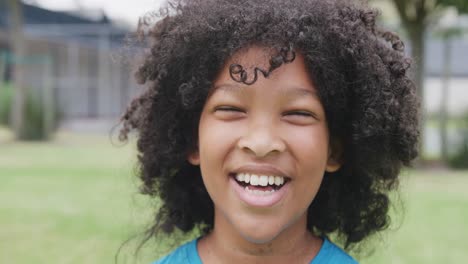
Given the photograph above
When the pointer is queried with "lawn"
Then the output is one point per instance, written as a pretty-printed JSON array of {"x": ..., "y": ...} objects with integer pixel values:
[{"x": 75, "y": 200}]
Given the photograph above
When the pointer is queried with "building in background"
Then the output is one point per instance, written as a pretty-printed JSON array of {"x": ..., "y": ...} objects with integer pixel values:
[
  {"x": 91, "y": 78},
  {"x": 88, "y": 74},
  {"x": 458, "y": 82}
]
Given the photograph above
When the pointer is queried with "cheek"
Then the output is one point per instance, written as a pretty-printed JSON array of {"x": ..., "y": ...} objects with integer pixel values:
[
  {"x": 309, "y": 144},
  {"x": 216, "y": 142}
]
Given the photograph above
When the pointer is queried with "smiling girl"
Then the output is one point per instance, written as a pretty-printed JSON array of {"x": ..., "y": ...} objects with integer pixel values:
[{"x": 269, "y": 125}]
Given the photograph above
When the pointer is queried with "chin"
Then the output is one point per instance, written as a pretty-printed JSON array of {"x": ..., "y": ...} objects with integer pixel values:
[
  {"x": 259, "y": 236},
  {"x": 259, "y": 240}
]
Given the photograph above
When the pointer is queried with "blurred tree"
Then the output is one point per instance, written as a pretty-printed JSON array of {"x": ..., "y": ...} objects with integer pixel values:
[
  {"x": 447, "y": 31},
  {"x": 416, "y": 16},
  {"x": 17, "y": 45}
]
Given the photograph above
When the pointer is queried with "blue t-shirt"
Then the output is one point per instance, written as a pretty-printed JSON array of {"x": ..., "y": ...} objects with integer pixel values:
[{"x": 329, "y": 253}]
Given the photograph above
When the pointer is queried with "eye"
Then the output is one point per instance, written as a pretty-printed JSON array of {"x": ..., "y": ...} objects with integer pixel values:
[
  {"x": 300, "y": 113},
  {"x": 300, "y": 117},
  {"x": 226, "y": 112},
  {"x": 228, "y": 109}
]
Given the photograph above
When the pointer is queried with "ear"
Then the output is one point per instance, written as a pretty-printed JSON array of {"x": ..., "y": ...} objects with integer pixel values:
[
  {"x": 335, "y": 156},
  {"x": 194, "y": 157}
]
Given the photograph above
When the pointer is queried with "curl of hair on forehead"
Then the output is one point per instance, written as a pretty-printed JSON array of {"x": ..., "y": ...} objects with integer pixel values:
[{"x": 239, "y": 74}]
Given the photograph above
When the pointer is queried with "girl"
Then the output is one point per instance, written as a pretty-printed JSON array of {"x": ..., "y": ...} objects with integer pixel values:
[{"x": 269, "y": 125}]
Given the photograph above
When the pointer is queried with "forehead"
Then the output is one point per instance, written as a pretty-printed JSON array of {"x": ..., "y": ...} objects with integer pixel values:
[{"x": 291, "y": 77}]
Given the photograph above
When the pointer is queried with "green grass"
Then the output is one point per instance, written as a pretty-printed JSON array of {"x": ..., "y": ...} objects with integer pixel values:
[
  {"x": 70, "y": 201},
  {"x": 434, "y": 226},
  {"x": 75, "y": 200}
]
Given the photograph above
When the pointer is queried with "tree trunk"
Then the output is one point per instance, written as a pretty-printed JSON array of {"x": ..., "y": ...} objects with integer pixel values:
[
  {"x": 417, "y": 34},
  {"x": 444, "y": 99},
  {"x": 17, "y": 45}
]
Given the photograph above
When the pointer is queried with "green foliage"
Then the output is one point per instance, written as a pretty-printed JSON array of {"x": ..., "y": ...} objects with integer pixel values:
[
  {"x": 461, "y": 5},
  {"x": 460, "y": 159},
  {"x": 33, "y": 128},
  {"x": 6, "y": 99},
  {"x": 33, "y": 124},
  {"x": 34, "y": 114}
]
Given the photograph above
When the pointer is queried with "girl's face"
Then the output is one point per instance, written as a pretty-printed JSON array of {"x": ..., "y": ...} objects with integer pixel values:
[{"x": 263, "y": 149}]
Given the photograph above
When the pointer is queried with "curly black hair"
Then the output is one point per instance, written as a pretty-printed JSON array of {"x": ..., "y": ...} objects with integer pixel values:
[{"x": 361, "y": 74}]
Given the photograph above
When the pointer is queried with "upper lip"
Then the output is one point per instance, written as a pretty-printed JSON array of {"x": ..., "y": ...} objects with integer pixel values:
[{"x": 261, "y": 169}]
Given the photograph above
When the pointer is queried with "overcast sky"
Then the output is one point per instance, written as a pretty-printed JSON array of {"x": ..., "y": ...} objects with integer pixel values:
[{"x": 126, "y": 10}]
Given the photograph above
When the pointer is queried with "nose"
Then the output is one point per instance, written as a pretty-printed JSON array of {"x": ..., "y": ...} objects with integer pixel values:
[{"x": 261, "y": 140}]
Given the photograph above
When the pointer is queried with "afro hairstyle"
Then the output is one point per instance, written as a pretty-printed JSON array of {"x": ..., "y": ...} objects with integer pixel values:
[{"x": 359, "y": 69}]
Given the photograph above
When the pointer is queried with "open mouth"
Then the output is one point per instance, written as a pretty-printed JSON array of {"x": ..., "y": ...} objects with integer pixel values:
[{"x": 259, "y": 184}]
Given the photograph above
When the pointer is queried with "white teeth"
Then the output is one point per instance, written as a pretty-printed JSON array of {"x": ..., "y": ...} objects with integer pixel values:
[
  {"x": 241, "y": 177},
  {"x": 279, "y": 180},
  {"x": 258, "y": 192},
  {"x": 262, "y": 180},
  {"x": 271, "y": 180},
  {"x": 254, "y": 180},
  {"x": 247, "y": 178}
]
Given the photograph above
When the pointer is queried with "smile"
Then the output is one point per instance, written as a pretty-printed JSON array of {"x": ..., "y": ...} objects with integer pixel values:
[
  {"x": 259, "y": 190},
  {"x": 262, "y": 180}
]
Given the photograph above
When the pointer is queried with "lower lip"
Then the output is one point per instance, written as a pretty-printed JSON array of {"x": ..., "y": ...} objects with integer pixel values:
[{"x": 258, "y": 200}]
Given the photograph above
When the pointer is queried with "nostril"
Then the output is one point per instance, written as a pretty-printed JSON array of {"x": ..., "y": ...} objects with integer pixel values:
[{"x": 261, "y": 142}]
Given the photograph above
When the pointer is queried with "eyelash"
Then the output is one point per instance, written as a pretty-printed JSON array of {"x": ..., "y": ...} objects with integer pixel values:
[
  {"x": 300, "y": 113},
  {"x": 295, "y": 113},
  {"x": 228, "y": 108}
]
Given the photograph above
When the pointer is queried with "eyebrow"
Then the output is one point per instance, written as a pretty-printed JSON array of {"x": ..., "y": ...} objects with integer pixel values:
[
  {"x": 300, "y": 91},
  {"x": 228, "y": 87},
  {"x": 295, "y": 91}
]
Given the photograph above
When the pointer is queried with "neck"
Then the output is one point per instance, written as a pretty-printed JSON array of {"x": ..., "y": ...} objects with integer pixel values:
[{"x": 292, "y": 244}]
